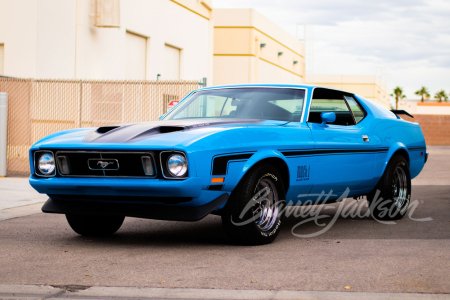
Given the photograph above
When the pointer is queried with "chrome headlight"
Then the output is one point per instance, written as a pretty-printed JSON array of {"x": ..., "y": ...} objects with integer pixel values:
[
  {"x": 177, "y": 165},
  {"x": 46, "y": 164}
]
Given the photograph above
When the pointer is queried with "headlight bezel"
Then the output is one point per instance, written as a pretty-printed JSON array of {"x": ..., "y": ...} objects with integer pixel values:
[
  {"x": 164, "y": 157},
  {"x": 37, "y": 157}
]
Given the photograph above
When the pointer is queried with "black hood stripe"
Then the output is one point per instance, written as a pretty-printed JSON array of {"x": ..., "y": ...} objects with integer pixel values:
[
  {"x": 130, "y": 133},
  {"x": 220, "y": 162}
]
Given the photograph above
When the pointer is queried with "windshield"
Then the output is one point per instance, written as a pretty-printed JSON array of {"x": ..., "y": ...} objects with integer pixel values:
[{"x": 281, "y": 104}]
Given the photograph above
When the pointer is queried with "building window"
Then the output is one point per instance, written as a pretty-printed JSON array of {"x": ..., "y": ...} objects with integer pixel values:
[
  {"x": 135, "y": 56},
  {"x": 171, "y": 63}
]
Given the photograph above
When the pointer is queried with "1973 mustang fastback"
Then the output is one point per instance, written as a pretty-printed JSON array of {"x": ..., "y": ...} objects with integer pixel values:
[{"x": 242, "y": 152}]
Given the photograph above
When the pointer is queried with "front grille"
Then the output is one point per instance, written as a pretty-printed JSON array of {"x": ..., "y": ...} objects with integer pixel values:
[{"x": 105, "y": 164}]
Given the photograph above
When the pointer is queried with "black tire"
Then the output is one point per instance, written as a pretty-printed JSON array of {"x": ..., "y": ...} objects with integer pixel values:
[
  {"x": 391, "y": 197},
  {"x": 94, "y": 225},
  {"x": 244, "y": 229}
]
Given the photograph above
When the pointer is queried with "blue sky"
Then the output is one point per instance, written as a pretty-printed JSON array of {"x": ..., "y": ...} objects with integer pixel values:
[{"x": 405, "y": 41}]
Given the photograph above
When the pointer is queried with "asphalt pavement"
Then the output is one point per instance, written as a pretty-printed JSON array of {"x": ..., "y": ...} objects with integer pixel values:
[{"x": 354, "y": 255}]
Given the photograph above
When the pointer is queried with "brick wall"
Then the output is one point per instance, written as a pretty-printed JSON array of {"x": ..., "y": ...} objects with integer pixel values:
[{"x": 435, "y": 128}]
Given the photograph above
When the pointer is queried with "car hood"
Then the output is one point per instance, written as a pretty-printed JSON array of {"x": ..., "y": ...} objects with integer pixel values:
[{"x": 160, "y": 134}]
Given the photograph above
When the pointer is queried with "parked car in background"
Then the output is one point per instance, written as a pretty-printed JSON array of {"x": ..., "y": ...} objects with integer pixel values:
[{"x": 242, "y": 152}]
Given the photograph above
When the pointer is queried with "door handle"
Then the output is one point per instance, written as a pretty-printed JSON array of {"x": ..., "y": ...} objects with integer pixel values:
[{"x": 365, "y": 138}]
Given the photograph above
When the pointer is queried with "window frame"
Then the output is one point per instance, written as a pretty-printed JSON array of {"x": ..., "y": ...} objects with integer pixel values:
[
  {"x": 344, "y": 94},
  {"x": 303, "y": 114},
  {"x": 360, "y": 107}
]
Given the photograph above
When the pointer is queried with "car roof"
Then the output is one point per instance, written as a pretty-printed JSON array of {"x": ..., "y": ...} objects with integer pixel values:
[{"x": 269, "y": 85}]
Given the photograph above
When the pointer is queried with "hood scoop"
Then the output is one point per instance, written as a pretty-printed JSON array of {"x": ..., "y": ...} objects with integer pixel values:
[
  {"x": 156, "y": 130},
  {"x": 105, "y": 129},
  {"x": 168, "y": 129}
]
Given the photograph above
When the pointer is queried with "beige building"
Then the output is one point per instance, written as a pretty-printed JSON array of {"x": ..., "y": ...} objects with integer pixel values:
[
  {"x": 367, "y": 86},
  {"x": 106, "y": 39},
  {"x": 416, "y": 107},
  {"x": 165, "y": 39},
  {"x": 249, "y": 48}
]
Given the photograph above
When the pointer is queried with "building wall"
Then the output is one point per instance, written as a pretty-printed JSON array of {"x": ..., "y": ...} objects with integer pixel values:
[
  {"x": 58, "y": 39},
  {"x": 18, "y": 27},
  {"x": 239, "y": 57},
  {"x": 369, "y": 87},
  {"x": 435, "y": 128},
  {"x": 415, "y": 107}
]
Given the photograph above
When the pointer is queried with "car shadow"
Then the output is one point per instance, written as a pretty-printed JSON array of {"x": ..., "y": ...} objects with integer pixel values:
[{"x": 349, "y": 219}]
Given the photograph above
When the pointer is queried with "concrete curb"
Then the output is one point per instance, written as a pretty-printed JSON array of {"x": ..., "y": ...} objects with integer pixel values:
[
  {"x": 45, "y": 292},
  {"x": 20, "y": 211},
  {"x": 431, "y": 181}
]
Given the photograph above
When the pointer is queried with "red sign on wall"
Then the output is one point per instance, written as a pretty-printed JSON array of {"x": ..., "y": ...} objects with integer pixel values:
[{"x": 171, "y": 104}]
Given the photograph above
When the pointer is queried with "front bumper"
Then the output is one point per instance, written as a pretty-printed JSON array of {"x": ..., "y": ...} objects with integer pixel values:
[
  {"x": 138, "y": 210},
  {"x": 182, "y": 200},
  {"x": 191, "y": 187}
]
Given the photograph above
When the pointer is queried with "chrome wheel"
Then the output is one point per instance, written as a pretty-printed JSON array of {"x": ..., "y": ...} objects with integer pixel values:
[
  {"x": 265, "y": 210},
  {"x": 399, "y": 187}
]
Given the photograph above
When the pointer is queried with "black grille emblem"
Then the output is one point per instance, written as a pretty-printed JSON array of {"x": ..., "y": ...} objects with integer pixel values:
[{"x": 103, "y": 164}]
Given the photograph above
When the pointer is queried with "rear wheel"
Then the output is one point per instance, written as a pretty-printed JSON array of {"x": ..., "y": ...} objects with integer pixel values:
[
  {"x": 391, "y": 197},
  {"x": 253, "y": 213},
  {"x": 94, "y": 225}
]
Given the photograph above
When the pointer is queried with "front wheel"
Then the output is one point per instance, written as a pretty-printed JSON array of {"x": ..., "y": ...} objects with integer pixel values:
[
  {"x": 390, "y": 198},
  {"x": 94, "y": 225},
  {"x": 253, "y": 213}
]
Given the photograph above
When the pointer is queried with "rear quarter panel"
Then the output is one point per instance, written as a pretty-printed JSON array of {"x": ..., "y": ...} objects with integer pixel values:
[{"x": 397, "y": 135}]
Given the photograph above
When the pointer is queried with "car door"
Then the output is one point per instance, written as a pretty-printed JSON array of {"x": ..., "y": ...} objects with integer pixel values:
[{"x": 344, "y": 156}]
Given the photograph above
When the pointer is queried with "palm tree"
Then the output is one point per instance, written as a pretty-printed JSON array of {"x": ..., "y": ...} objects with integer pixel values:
[
  {"x": 441, "y": 95},
  {"x": 398, "y": 94},
  {"x": 423, "y": 92}
]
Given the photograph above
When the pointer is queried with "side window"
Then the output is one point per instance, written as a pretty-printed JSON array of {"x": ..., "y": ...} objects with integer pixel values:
[
  {"x": 358, "y": 112},
  {"x": 325, "y": 100}
]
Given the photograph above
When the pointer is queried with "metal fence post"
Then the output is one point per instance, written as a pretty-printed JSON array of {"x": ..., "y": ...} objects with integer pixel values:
[
  {"x": 203, "y": 83},
  {"x": 3, "y": 132}
]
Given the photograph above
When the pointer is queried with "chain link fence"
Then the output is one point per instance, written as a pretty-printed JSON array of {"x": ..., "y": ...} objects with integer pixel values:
[{"x": 37, "y": 108}]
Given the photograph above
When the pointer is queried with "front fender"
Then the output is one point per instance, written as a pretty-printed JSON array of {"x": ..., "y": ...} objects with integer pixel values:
[{"x": 238, "y": 171}]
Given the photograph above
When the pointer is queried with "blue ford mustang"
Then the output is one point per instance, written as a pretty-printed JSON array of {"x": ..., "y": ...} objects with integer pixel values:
[{"x": 243, "y": 152}]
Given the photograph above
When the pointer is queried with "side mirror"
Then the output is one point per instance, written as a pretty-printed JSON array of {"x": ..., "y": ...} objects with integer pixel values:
[{"x": 327, "y": 117}]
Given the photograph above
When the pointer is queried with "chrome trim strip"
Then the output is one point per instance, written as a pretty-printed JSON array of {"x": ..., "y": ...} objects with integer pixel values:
[
  {"x": 309, "y": 104},
  {"x": 34, "y": 163},
  {"x": 108, "y": 152},
  {"x": 162, "y": 168},
  {"x": 302, "y": 119}
]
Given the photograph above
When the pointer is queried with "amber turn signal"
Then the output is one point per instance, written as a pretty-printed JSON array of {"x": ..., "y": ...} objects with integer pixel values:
[{"x": 217, "y": 179}]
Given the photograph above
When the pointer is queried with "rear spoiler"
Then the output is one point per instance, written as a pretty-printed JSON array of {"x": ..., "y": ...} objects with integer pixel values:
[{"x": 401, "y": 112}]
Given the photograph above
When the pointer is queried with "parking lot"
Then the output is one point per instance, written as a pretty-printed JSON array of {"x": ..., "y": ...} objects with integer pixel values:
[{"x": 355, "y": 254}]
